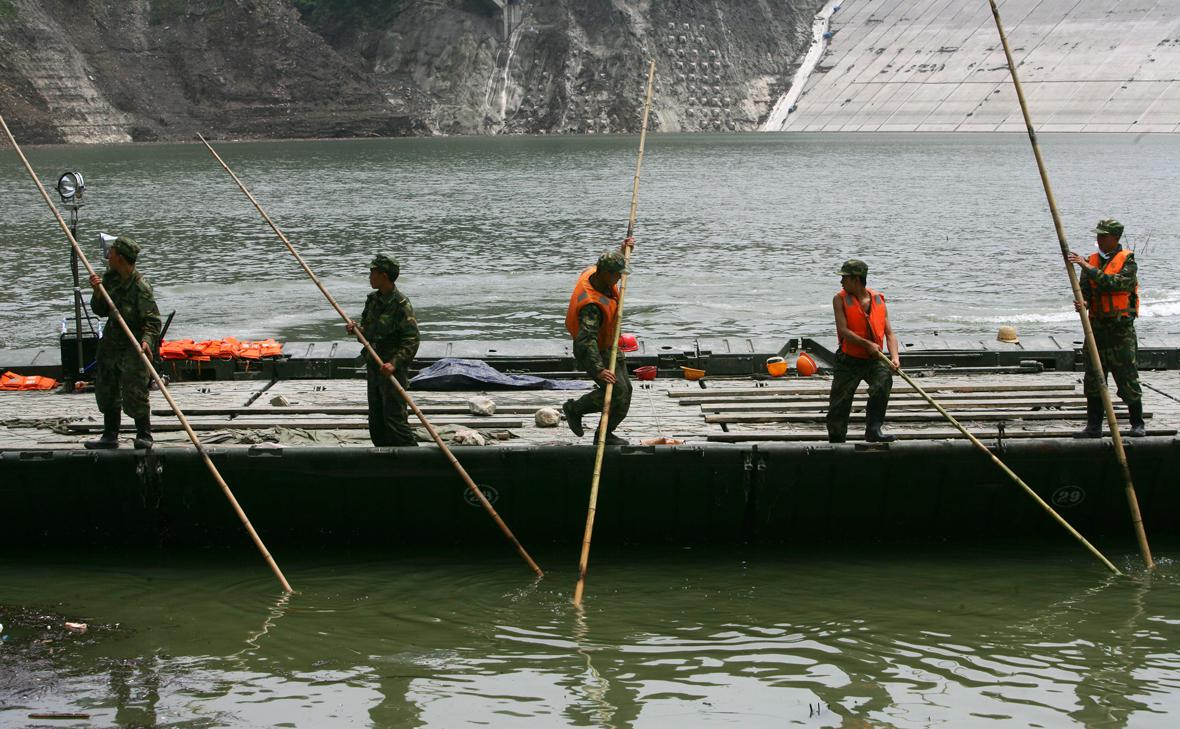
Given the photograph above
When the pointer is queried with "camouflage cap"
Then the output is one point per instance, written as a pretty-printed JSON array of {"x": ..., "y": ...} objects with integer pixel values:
[
  {"x": 388, "y": 264},
  {"x": 127, "y": 248},
  {"x": 854, "y": 267},
  {"x": 613, "y": 261},
  {"x": 1110, "y": 226}
]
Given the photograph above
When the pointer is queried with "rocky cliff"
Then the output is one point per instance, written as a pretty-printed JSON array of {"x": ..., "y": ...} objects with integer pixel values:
[{"x": 128, "y": 70}]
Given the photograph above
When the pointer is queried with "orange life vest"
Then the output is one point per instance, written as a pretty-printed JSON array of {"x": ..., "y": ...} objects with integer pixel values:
[
  {"x": 227, "y": 348},
  {"x": 585, "y": 294},
  {"x": 175, "y": 350},
  {"x": 1112, "y": 304},
  {"x": 13, "y": 381},
  {"x": 270, "y": 348},
  {"x": 871, "y": 326}
]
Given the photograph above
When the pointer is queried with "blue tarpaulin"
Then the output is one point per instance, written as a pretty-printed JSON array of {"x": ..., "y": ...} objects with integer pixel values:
[{"x": 474, "y": 374}]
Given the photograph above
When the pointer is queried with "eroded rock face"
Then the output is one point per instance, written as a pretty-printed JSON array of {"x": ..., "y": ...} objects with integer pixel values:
[
  {"x": 580, "y": 67},
  {"x": 129, "y": 70}
]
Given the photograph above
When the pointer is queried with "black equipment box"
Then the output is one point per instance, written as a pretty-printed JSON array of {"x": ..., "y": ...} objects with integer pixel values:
[{"x": 69, "y": 356}]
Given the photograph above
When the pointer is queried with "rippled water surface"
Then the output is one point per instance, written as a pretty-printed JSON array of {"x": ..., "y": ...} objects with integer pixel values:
[
  {"x": 1027, "y": 636},
  {"x": 739, "y": 235}
]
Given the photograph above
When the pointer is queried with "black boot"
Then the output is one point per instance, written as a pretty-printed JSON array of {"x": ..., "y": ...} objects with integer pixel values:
[
  {"x": 874, "y": 419},
  {"x": 143, "y": 433},
  {"x": 1093, "y": 427},
  {"x": 573, "y": 419},
  {"x": 837, "y": 433},
  {"x": 110, "y": 432},
  {"x": 1138, "y": 427},
  {"x": 612, "y": 439}
]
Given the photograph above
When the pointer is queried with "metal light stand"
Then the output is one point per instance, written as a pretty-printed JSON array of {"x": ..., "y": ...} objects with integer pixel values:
[
  {"x": 70, "y": 186},
  {"x": 77, "y": 292}
]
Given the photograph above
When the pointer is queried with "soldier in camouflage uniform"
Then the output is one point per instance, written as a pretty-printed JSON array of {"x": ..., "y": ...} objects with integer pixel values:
[
  {"x": 592, "y": 320},
  {"x": 1110, "y": 287},
  {"x": 388, "y": 323},
  {"x": 122, "y": 377}
]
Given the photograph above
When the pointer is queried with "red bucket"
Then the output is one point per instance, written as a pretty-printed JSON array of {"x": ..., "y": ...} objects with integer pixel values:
[{"x": 647, "y": 372}]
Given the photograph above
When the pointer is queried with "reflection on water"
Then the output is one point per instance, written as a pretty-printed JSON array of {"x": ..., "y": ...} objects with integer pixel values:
[
  {"x": 739, "y": 235},
  {"x": 755, "y": 638}
]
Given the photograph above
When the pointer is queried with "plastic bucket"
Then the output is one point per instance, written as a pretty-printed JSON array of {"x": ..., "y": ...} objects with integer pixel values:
[{"x": 646, "y": 372}]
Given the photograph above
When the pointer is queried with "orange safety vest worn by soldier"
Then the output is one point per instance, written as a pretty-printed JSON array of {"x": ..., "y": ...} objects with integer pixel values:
[
  {"x": 592, "y": 319},
  {"x": 869, "y": 325},
  {"x": 863, "y": 330},
  {"x": 1110, "y": 287},
  {"x": 1108, "y": 303}
]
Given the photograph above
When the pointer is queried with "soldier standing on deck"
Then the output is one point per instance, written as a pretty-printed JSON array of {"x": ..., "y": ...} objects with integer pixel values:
[
  {"x": 388, "y": 323},
  {"x": 592, "y": 320},
  {"x": 1110, "y": 288},
  {"x": 122, "y": 378},
  {"x": 863, "y": 328}
]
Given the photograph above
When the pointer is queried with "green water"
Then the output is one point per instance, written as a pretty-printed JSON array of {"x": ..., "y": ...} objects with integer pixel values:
[
  {"x": 739, "y": 235},
  {"x": 1015, "y": 637}
]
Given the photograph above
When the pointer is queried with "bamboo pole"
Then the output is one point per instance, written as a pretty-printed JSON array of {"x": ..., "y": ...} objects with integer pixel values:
[
  {"x": 1001, "y": 465},
  {"x": 591, "y": 510},
  {"x": 372, "y": 353},
  {"x": 151, "y": 369},
  {"x": 1091, "y": 345}
]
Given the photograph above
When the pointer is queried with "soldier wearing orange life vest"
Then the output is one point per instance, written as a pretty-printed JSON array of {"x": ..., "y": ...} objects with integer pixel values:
[
  {"x": 592, "y": 319},
  {"x": 1110, "y": 287},
  {"x": 863, "y": 328}
]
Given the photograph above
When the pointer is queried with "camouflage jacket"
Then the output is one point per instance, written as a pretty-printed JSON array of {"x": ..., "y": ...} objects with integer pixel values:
[
  {"x": 388, "y": 323},
  {"x": 1125, "y": 280},
  {"x": 136, "y": 303},
  {"x": 586, "y": 352}
]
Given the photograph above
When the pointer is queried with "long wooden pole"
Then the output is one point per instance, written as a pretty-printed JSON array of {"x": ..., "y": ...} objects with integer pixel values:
[
  {"x": 372, "y": 353},
  {"x": 1091, "y": 345},
  {"x": 147, "y": 362},
  {"x": 1001, "y": 465},
  {"x": 591, "y": 510}
]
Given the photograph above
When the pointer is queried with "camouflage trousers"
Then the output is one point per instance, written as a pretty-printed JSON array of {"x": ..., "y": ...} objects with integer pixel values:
[
  {"x": 1118, "y": 349},
  {"x": 388, "y": 415},
  {"x": 121, "y": 380},
  {"x": 847, "y": 375},
  {"x": 620, "y": 398}
]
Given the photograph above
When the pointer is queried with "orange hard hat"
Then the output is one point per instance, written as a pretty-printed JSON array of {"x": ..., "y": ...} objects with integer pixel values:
[
  {"x": 805, "y": 365},
  {"x": 628, "y": 343}
]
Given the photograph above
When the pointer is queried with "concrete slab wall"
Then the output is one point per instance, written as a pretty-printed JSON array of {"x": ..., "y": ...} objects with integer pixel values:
[{"x": 937, "y": 65}]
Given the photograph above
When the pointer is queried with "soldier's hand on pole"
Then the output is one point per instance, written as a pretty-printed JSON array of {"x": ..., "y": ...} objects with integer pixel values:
[
  {"x": 146, "y": 347},
  {"x": 387, "y": 369},
  {"x": 1079, "y": 306},
  {"x": 605, "y": 375},
  {"x": 629, "y": 242},
  {"x": 94, "y": 280},
  {"x": 1075, "y": 258},
  {"x": 350, "y": 327},
  {"x": 894, "y": 360}
]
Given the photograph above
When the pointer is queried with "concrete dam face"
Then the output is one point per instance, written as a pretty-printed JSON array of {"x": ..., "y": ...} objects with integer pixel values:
[{"x": 938, "y": 66}]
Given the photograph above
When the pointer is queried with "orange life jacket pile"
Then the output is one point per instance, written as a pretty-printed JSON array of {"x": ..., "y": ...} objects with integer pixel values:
[
  {"x": 228, "y": 348},
  {"x": 13, "y": 381}
]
